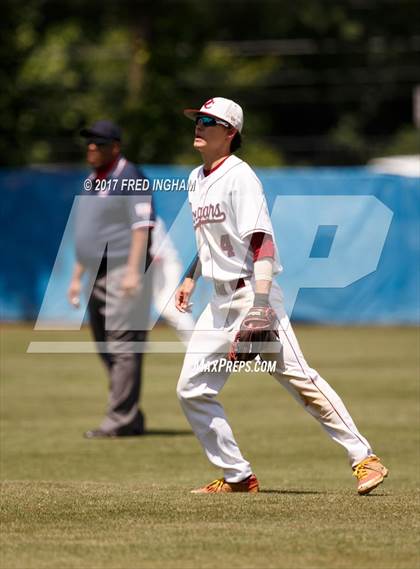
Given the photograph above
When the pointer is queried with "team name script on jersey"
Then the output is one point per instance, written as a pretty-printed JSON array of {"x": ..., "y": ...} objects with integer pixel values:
[{"x": 211, "y": 213}]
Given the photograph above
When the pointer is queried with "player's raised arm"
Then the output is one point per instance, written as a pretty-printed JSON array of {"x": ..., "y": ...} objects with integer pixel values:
[{"x": 184, "y": 292}]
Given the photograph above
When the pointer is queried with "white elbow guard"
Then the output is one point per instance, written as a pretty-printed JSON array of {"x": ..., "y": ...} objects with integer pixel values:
[{"x": 263, "y": 269}]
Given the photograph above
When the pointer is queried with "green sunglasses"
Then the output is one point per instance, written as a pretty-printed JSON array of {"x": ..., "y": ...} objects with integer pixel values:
[{"x": 210, "y": 121}]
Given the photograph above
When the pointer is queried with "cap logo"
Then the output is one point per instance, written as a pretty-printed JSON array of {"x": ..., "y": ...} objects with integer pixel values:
[{"x": 208, "y": 103}]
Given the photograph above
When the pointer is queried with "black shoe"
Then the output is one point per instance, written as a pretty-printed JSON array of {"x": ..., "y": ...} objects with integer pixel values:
[
  {"x": 129, "y": 432},
  {"x": 136, "y": 428},
  {"x": 99, "y": 434}
]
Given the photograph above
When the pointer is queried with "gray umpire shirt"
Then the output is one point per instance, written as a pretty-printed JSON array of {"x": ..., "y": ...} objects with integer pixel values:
[{"x": 106, "y": 217}]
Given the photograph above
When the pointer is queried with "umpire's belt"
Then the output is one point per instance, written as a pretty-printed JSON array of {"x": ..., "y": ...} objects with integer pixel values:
[{"x": 228, "y": 287}]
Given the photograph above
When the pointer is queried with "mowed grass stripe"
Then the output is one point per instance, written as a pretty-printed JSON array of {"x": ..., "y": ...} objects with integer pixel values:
[{"x": 68, "y": 502}]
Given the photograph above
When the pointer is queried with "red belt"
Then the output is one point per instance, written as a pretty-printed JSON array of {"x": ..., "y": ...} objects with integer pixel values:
[{"x": 221, "y": 288}]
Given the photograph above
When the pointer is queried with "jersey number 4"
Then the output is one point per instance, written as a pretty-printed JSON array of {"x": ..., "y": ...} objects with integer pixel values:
[{"x": 226, "y": 245}]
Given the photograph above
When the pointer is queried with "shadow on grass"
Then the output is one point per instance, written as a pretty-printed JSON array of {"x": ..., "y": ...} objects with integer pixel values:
[
  {"x": 167, "y": 433},
  {"x": 271, "y": 491},
  {"x": 147, "y": 433}
]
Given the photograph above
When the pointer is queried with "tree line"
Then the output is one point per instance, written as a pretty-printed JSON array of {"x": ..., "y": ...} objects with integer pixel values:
[{"x": 320, "y": 82}]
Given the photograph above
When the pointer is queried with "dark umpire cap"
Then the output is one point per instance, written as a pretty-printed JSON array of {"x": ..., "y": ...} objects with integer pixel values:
[{"x": 102, "y": 131}]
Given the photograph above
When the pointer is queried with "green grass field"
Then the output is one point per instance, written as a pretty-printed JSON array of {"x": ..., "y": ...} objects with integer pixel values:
[{"x": 68, "y": 502}]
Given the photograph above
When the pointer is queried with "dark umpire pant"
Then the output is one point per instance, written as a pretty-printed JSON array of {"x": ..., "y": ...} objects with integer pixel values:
[{"x": 119, "y": 324}]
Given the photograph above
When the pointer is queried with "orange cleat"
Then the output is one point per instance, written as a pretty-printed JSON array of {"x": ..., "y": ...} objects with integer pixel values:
[
  {"x": 220, "y": 486},
  {"x": 369, "y": 473}
]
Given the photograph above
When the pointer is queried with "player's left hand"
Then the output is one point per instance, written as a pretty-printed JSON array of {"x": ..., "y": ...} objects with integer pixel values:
[
  {"x": 258, "y": 327},
  {"x": 183, "y": 295}
]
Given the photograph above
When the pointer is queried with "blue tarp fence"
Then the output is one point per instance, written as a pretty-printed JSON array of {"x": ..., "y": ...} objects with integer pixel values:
[{"x": 348, "y": 239}]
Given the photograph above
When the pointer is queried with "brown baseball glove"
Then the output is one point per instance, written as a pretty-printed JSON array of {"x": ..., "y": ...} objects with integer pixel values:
[{"x": 258, "y": 327}]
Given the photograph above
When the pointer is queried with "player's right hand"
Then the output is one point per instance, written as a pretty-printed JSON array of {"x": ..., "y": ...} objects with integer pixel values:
[
  {"x": 183, "y": 295},
  {"x": 73, "y": 293}
]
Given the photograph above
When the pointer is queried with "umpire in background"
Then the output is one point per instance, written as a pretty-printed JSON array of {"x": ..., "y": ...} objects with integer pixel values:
[{"x": 113, "y": 235}]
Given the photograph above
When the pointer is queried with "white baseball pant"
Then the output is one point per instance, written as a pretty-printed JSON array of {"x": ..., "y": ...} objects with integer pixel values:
[{"x": 197, "y": 388}]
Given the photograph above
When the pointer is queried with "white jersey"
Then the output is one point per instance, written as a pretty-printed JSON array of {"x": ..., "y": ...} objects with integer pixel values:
[{"x": 228, "y": 206}]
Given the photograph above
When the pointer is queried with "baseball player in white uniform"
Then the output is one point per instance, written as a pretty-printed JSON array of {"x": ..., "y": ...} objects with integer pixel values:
[{"x": 236, "y": 250}]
